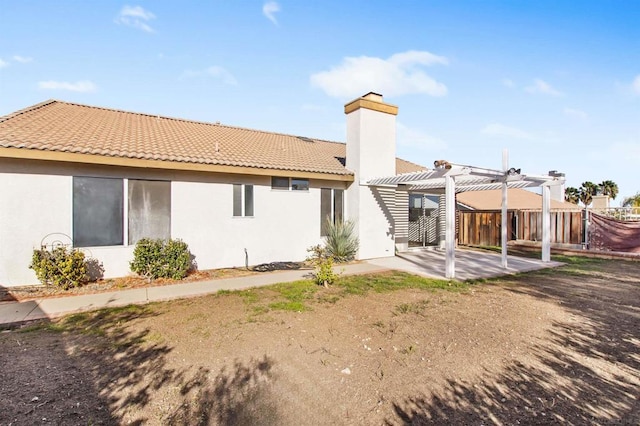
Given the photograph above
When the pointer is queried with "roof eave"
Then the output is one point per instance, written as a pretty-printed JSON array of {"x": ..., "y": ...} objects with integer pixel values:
[{"x": 72, "y": 157}]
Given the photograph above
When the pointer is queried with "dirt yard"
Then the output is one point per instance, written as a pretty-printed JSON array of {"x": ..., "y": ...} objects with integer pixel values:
[{"x": 556, "y": 346}]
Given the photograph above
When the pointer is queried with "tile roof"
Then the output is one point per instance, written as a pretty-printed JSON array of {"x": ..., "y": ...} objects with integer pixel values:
[
  {"x": 57, "y": 126},
  {"x": 517, "y": 199}
]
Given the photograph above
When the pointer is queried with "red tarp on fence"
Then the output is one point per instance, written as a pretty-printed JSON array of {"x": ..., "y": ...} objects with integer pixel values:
[{"x": 610, "y": 234}]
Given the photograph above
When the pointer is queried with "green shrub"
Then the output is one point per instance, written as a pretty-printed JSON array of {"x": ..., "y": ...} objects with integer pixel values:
[
  {"x": 161, "y": 259},
  {"x": 322, "y": 262},
  {"x": 60, "y": 267},
  {"x": 341, "y": 242}
]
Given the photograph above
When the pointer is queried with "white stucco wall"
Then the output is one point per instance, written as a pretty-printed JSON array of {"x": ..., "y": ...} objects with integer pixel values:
[
  {"x": 371, "y": 152},
  {"x": 284, "y": 225},
  {"x": 36, "y": 200},
  {"x": 31, "y": 206}
]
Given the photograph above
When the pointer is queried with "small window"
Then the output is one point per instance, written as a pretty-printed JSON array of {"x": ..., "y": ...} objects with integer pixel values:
[
  {"x": 242, "y": 200},
  {"x": 299, "y": 184},
  {"x": 280, "y": 183}
]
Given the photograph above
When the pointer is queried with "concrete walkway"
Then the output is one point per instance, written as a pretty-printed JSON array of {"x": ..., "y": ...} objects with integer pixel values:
[{"x": 429, "y": 263}]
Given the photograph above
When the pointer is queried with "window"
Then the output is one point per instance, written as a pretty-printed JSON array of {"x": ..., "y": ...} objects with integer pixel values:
[
  {"x": 149, "y": 210},
  {"x": 98, "y": 212},
  {"x": 280, "y": 183},
  {"x": 242, "y": 200},
  {"x": 331, "y": 208},
  {"x": 99, "y": 206},
  {"x": 299, "y": 184}
]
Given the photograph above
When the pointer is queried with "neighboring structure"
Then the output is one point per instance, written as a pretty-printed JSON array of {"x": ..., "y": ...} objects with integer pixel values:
[
  {"x": 519, "y": 199},
  {"x": 101, "y": 179},
  {"x": 479, "y": 218}
]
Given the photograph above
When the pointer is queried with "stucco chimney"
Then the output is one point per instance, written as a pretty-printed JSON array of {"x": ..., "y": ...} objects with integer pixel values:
[
  {"x": 371, "y": 152},
  {"x": 557, "y": 191}
]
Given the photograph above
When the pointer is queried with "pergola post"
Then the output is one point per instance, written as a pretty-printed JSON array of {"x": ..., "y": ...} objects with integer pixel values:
[
  {"x": 503, "y": 242},
  {"x": 503, "y": 236},
  {"x": 450, "y": 226},
  {"x": 546, "y": 223}
]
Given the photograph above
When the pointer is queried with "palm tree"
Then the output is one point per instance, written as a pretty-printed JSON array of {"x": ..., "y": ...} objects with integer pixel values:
[
  {"x": 587, "y": 191},
  {"x": 608, "y": 187},
  {"x": 572, "y": 195},
  {"x": 633, "y": 201}
]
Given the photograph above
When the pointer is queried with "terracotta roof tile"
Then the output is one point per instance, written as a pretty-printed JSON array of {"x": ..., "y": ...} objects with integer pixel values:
[{"x": 66, "y": 127}]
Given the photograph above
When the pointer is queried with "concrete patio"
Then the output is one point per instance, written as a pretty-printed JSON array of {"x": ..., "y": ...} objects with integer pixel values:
[{"x": 470, "y": 264}]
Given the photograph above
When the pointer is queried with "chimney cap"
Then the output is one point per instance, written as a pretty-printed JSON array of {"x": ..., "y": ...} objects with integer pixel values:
[
  {"x": 373, "y": 96},
  {"x": 372, "y": 101}
]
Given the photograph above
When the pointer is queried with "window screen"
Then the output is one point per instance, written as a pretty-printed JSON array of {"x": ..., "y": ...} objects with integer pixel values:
[
  {"x": 325, "y": 210},
  {"x": 248, "y": 200},
  {"x": 149, "y": 210},
  {"x": 299, "y": 184},
  {"x": 97, "y": 212},
  {"x": 237, "y": 200},
  {"x": 279, "y": 182},
  {"x": 338, "y": 198}
]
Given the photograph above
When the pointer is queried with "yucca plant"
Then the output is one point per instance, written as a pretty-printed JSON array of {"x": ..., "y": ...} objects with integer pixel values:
[{"x": 341, "y": 242}]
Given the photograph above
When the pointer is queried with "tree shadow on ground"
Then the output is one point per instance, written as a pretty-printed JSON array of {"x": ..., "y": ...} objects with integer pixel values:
[
  {"x": 94, "y": 368},
  {"x": 587, "y": 371},
  {"x": 239, "y": 395}
]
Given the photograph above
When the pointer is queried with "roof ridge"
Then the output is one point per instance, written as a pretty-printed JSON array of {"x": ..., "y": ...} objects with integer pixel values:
[
  {"x": 28, "y": 109},
  {"x": 184, "y": 120}
]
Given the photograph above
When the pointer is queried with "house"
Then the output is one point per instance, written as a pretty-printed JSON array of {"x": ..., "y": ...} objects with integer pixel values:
[{"x": 100, "y": 179}]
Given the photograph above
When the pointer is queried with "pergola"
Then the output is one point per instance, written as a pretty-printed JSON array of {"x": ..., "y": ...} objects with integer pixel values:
[{"x": 455, "y": 178}]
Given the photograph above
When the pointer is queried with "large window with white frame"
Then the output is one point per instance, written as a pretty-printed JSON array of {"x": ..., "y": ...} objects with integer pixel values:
[
  {"x": 98, "y": 212},
  {"x": 331, "y": 208},
  {"x": 99, "y": 206},
  {"x": 149, "y": 207}
]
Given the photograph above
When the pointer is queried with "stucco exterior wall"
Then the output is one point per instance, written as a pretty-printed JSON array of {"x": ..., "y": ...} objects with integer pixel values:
[
  {"x": 31, "y": 206},
  {"x": 371, "y": 145},
  {"x": 36, "y": 200},
  {"x": 284, "y": 225}
]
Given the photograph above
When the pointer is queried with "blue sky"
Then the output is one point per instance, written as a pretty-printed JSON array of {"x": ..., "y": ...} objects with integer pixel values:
[{"x": 557, "y": 83}]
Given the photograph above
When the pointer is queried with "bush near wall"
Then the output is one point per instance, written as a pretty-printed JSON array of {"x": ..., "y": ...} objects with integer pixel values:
[
  {"x": 61, "y": 267},
  {"x": 161, "y": 259}
]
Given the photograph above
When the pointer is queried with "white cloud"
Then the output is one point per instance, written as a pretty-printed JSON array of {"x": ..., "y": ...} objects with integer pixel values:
[
  {"x": 414, "y": 138},
  {"x": 84, "y": 86},
  {"x": 508, "y": 83},
  {"x": 636, "y": 84},
  {"x": 3, "y": 64},
  {"x": 542, "y": 87},
  {"x": 22, "y": 59},
  {"x": 400, "y": 74},
  {"x": 575, "y": 113},
  {"x": 136, "y": 17},
  {"x": 269, "y": 10},
  {"x": 215, "y": 72},
  {"x": 501, "y": 130}
]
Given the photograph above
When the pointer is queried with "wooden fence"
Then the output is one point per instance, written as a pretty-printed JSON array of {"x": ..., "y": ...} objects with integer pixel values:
[{"x": 484, "y": 227}]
